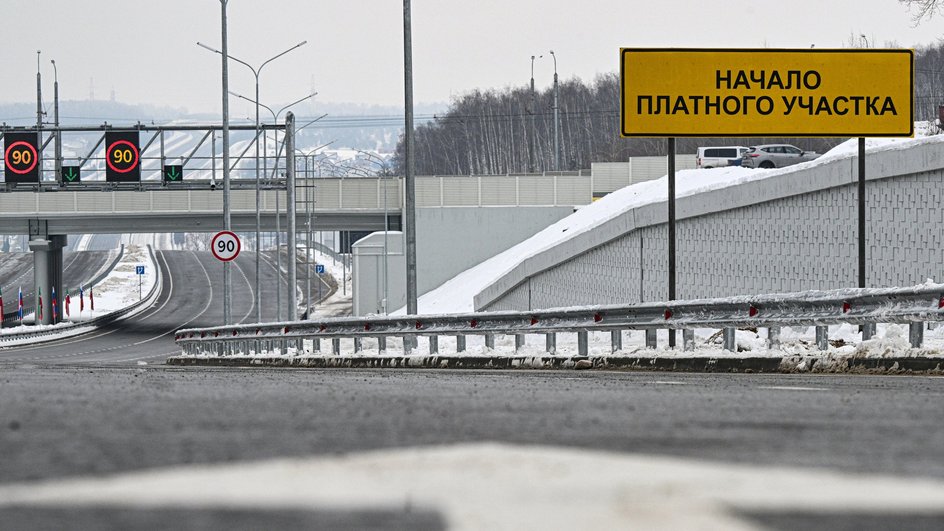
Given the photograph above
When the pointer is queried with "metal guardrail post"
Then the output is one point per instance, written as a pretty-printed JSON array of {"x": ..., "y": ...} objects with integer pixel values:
[
  {"x": 336, "y": 345},
  {"x": 381, "y": 344},
  {"x": 822, "y": 337},
  {"x": 773, "y": 338},
  {"x": 434, "y": 344},
  {"x": 688, "y": 339},
  {"x": 616, "y": 340},
  {"x": 912, "y": 305},
  {"x": 316, "y": 345},
  {"x": 358, "y": 346},
  {"x": 550, "y": 343},
  {"x": 728, "y": 343},
  {"x": 651, "y": 338},
  {"x": 916, "y": 334},
  {"x": 583, "y": 343},
  {"x": 868, "y": 330}
]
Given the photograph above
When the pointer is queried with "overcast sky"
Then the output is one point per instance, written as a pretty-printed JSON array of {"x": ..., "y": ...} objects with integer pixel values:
[{"x": 146, "y": 53}]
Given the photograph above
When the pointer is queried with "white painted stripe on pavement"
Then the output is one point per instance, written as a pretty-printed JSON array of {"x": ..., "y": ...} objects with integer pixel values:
[
  {"x": 501, "y": 486},
  {"x": 792, "y": 388}
]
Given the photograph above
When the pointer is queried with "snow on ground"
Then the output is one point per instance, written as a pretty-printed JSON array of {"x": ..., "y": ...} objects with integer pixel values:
[
  {"x": 456, "y": 295},
  {"x": 845, "y": 342},
  {"x": 117, "y": 291},
  {"x": 341, "y": 301},
  {"x": 123, "y": 287}
]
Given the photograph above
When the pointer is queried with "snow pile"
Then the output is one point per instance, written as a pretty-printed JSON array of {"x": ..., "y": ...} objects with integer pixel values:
[
  {"x": 115, "y": 292},
  {"x": 123, "y": 286},
  {"x": 456, "y": 295}
]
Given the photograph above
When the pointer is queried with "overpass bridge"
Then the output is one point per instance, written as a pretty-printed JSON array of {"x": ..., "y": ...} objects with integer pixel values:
[
  {"x": 143, "y": 178},
  {"x": 50, "y": 213},
  {"x": 72, "y": 193},
  {"x": 335, "y": 203}
]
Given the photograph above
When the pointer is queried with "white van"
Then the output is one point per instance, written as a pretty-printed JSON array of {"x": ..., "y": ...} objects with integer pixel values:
[{"x": 720, "y": 156}]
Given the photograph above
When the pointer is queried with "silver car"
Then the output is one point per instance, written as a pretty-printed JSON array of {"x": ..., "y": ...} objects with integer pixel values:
[{"x": 775, "y": 156}]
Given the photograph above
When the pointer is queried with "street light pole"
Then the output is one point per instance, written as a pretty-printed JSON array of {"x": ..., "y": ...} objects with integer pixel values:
[
  {"x": 410, "y": 206},
  {"x": 256, "y": 73},
  {"x": 55, "y": 96},
  {"x": 278, "y": 231},
  {"x": 227, "y": 285},
  {"x": 383, "y": 179},
  {"x": 531, "y": 157},
  {"x": 39, "y": 96},
  {"x": 556, "y": 118}
]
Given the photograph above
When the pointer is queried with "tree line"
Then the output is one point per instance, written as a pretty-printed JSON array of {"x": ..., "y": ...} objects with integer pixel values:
[{"x": 511, "y": 130}]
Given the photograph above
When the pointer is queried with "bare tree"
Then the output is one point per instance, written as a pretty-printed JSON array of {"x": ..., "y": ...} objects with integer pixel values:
[{"x": 923, "y": 8}]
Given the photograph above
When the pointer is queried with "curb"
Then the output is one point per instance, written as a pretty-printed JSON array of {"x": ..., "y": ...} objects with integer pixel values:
[{"x": 918, "y": 365}]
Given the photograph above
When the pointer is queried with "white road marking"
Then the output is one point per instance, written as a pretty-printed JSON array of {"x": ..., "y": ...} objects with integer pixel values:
[
  {"x": 500, "y": 486},
  {"x": 663, "y": 382},
  {"x": 792, "y": 388}
]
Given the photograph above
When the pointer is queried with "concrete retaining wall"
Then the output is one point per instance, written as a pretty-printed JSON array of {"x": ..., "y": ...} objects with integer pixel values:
[{"x": 794, "y": 231}]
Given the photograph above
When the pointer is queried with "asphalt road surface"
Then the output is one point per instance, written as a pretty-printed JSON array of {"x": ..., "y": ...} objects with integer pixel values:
[
  {"x": 96, "y": 434},
  {"x": 62, "y": 422},
  {"x": 191, "y": 297}
]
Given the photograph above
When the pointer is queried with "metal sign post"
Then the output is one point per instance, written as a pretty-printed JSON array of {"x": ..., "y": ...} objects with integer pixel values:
[
  {"x": 139, "y": 270},
  {"x": 765, "y": 92},
  {"x": 868, "y": 329},
  {"x": 671, "y": 235}
]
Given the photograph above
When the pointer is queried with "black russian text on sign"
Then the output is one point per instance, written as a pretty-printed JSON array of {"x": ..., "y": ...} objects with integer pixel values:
[
  {"x": 173, "y": 173},
  {"x": 21, "y": 157},
  {"x": 122, "y": 157}
]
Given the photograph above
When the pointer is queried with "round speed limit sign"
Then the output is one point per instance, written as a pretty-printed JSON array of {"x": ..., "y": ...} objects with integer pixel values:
[{"x": 225, "y": 246}]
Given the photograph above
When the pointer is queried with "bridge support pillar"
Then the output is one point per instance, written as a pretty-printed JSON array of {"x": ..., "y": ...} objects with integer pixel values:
[{"x": 47, "y": 272}]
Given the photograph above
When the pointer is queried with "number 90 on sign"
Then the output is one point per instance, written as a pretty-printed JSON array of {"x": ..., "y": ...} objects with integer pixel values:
[{"x": 225, "y": 246}]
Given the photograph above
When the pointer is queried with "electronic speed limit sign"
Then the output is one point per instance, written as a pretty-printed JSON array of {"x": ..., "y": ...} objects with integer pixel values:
[
  {"x": 21, "y": 157},
  {"x": 225, "y": 246},
  {"x": 122, "y": 158}
]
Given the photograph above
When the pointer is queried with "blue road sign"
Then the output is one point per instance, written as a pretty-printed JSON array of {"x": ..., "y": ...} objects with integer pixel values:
[
  {"x": 139, "y": 270},
  {"x": 319, "y": 268}
]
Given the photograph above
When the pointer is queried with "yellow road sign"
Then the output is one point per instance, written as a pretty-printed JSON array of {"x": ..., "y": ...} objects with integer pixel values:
[{"x": 766, "y": 92}]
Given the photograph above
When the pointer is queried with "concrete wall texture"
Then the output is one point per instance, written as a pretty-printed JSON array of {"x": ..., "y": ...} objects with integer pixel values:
[
  {"x": 796, "y": 230},
  {"x": 450, "y": 240}
]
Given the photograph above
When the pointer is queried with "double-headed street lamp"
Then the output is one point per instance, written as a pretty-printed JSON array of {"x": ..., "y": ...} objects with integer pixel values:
[
  {"x": 255, "y": 72},
  {"x": 278, "y": 253}
]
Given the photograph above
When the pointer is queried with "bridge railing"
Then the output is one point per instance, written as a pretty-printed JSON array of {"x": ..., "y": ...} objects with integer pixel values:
[{"x": 915, "y": 306}]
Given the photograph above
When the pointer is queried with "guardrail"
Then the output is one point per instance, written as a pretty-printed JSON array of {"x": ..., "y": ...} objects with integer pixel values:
[
  {"x": 28, "y": 308},
  {"x": 95, "y": 321},
  {"x": 867, "y": 307}
]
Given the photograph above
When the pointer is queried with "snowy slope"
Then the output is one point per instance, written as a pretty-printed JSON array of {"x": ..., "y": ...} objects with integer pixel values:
[{"x": 455, "y": 296}]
